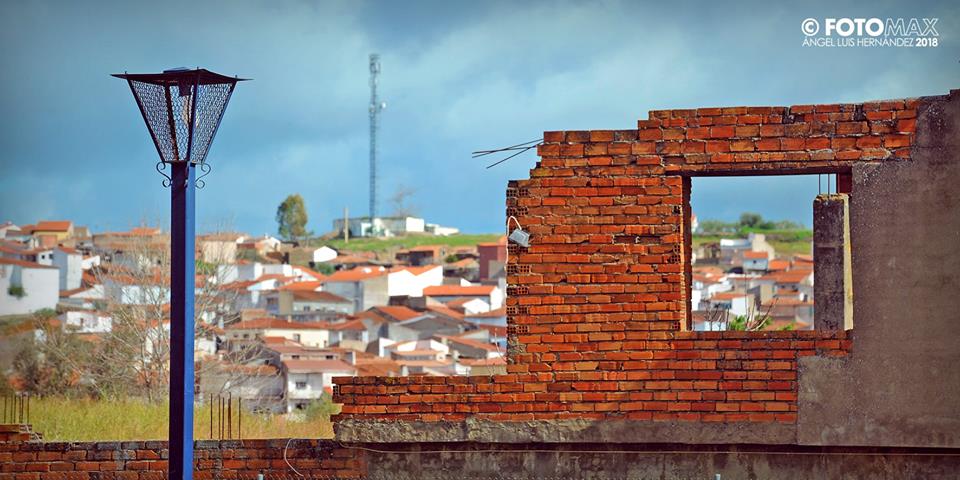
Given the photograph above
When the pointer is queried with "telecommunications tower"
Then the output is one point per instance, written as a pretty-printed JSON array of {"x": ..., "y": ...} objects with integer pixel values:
[{"x": 376, "y": 106}]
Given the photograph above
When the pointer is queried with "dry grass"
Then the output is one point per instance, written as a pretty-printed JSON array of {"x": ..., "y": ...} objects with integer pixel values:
[{"x": 62, "y": 419}]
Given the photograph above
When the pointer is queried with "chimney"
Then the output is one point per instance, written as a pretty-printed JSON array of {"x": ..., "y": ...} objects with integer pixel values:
[{"x": 352, "y": 357}]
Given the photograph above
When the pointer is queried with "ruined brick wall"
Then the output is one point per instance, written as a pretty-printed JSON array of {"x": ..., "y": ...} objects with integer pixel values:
[
  {"x": 139, "y": 460},
  {"x": 598, "y": 304}
]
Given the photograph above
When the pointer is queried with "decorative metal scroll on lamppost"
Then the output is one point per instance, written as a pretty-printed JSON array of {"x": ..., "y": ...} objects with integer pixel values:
[{"x": 182, "y": 109}]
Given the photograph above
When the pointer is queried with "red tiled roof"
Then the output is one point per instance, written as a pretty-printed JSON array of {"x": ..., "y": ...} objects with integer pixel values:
[
  {"x": 465, "y": 263},
  {"x": 789, "y": 276},
  {"x": 499, "y": 312},
  {"x": 311, "y": 273},
  {"x": 355, "y": 324},
  {"x": 312, "y": 366},
  {"x": 425, "y": 248},
  {"x": 457, "y": 290},
  {"x": 483, "y": 362},
  {"x": 278, "y": 341},
  {"x": 494, "y": 330},
  {"x": 70, "y": 293},
  {"x": 445, "y": 311},
  {"x": 458, "y": 304},
  {"x": 398, "y": 312},
  {"x": 777, "y": 265},
  {"x": 727, "y": 296},
  {"x": 756, "y": 255},
  {"x": 471, "y": 343},
  {"x": 311, "y": 296},
  {"x": 418, "y": 270},
  {"x": 53, "y": 225},
  {"x": 502, "y": 241},
  {"x": 416, "y": 353},
  {"x": 277, "y": 324},
  {"x": 356, "y": 274},
  {"x": 301, "y": 286},
  {"x": 22, "y": 263},
  {"x": 377, "y": 367},
  {"x": 786, "y": 302}
]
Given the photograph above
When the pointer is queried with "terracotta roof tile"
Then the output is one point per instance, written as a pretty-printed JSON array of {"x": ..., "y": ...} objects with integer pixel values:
[
  {"x": 24, "y": 264},
  {"x": 316, "y": 366},
  {"x": 358, "y": 274},
  {"x": 457, "y": 290}
]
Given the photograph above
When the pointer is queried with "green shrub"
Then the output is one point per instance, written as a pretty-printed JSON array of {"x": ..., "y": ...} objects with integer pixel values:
[{"x": 16, "y": 291}]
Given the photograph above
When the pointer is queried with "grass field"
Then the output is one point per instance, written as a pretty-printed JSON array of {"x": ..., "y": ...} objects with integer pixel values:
[
  {"x": 786, "y": 242},
  {"x": 61, "y": 419},
  {"x": 368, "y": 244}
]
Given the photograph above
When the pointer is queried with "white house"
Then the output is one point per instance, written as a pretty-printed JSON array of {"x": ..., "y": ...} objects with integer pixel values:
[
  {"x": 89, "y": 262},
  {"x": 734, "y": 302},
  {"x": 8, "y": 227},
  {"x": 381, "y": 226},
  {"x": 306, "y": 334},
  {"x": 307, "y": 380},
  {"x": 366, "y": 287},
  {"x": 732, "y": 249},
  {"x": 490, "y": 294},
  {"x": 410, "y": 281},
  {"x": 323, "y": 254},
  {"x": 418, "y": 350},
  {"x": 497, "y": 318},
  {"x": 83, "y": 297},
  {"x": 755, "y": 261},
  {"x": 440, "y": 230},
  {"x": 86, "y": 321},
  {"x": 70, "y": 263},
  {"x": 26, "y": 287}
]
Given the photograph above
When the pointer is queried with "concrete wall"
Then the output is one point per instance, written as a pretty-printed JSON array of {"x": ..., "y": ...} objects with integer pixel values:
[
  {"x": 40, "y": 286},
  {"x": 286, "y": 458},
  {"x": 901, "y": 385}
]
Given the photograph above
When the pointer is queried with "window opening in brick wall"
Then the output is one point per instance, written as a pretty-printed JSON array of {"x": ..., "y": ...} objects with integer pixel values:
[{"x": 750, "y": 263}]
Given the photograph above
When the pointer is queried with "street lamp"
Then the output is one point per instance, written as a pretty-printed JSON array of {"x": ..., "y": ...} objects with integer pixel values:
[{"x": 182, "y": 109}]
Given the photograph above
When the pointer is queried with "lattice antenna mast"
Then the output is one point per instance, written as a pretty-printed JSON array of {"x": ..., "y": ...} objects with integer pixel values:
[{"x": 376, "y": 106}]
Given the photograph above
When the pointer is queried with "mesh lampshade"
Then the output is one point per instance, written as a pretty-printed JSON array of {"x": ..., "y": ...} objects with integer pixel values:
[{"x": 182, "y": 109}]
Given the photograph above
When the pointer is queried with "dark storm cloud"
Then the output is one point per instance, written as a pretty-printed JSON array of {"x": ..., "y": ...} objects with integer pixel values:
[{"x": 457, "y": 76}]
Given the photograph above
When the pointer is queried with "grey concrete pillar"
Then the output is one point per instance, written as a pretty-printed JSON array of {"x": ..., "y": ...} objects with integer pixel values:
[{"x": 832, "y": 272}]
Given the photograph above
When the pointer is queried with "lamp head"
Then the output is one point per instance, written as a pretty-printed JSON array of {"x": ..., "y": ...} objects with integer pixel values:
[{"x": 520, "y": 237}]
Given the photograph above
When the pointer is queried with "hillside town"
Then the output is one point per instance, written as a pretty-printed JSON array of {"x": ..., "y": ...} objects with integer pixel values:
[
  {"x": 742, "y": 283},
  {"x": 270, "y": 332},
  {"x": 274, "y": 332}
]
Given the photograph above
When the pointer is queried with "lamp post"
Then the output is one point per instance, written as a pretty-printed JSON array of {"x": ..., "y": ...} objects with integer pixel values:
[{"x": 182, "y": 109}]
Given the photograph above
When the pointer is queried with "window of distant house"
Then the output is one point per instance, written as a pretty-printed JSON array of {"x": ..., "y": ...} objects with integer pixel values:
[
  {"x": 751, "y": 251},
  {"x": 296, "y": 337},
  {"x": 246, "y": 335},
  {"x": 295, "y": 357},
  {"x": 301, "y": 385}
]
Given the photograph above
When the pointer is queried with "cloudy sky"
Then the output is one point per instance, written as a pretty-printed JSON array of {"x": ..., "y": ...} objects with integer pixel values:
[{"x": 457, "y": 75}]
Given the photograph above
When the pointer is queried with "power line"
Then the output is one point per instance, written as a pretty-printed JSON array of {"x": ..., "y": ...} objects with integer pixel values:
[{"x": 518, "y": 148}]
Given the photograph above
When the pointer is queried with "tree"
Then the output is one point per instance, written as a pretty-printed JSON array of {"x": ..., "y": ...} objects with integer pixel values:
[
  {"x": 750, "y": 220},
  {"x": 400, "y": 203},
  {"x": 133, "y": 357},
  {"x": 292, "y": 218},
  {"x": 45, "y": 364}
]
